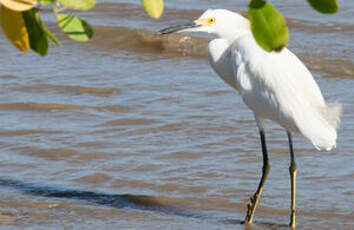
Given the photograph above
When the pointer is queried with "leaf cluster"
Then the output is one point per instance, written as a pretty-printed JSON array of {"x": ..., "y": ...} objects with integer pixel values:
[
  {"x": 22, "y": 25},
  {"x": 21, "y": 22}
]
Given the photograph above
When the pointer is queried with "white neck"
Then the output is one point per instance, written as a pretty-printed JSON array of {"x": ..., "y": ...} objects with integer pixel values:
[{"x": 240, "y": 26}]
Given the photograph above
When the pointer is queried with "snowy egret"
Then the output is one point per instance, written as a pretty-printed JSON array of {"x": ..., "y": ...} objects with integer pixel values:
[{"x": 276, "y": 86}]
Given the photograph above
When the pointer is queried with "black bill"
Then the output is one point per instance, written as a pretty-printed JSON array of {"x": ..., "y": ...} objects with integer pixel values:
[{"x": 173, "y": 29}]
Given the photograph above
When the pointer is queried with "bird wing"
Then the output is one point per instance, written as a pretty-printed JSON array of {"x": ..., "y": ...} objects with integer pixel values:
[{"x": 279, "y": 87}]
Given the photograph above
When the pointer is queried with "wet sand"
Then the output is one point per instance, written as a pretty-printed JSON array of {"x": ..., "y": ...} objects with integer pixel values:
[{"x": 135, "y": 131}]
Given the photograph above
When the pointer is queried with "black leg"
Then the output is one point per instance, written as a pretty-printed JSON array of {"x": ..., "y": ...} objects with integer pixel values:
[
  {"x": 251, "y": 206},
  {"x": 292, "y": 170}
]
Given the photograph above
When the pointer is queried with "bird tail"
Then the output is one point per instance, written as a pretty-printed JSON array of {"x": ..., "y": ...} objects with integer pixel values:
[
  {"x": 323, "y": 129},
  {"x": 331, "y": 112}
]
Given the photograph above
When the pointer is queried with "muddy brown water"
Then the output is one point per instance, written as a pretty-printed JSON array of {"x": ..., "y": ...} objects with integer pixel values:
[{"x": 135, "y": 131}]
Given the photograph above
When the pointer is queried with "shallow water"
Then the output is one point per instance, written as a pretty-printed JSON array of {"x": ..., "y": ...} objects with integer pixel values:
[{"x": 135, "y": 131}]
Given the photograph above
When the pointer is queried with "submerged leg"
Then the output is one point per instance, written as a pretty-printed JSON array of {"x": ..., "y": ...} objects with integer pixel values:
[
  {"x": 251, "y": 206},
  {"x": 292, "y": 170}
]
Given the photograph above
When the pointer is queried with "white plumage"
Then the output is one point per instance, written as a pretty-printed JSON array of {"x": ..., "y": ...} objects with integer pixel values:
[{"x": 276, "y": 86}]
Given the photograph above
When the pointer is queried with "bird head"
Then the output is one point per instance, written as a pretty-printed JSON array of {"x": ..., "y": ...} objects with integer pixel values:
[{"x": 219, "y": 22}]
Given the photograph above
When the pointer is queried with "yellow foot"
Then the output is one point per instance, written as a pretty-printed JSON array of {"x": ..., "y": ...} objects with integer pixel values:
[
  {"x": 292, "y": 220},
  {"x": 251, "y": 207}
]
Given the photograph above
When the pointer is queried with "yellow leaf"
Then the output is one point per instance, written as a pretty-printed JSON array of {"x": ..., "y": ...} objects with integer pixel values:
[
  {"x": 15, "y": 29},
  {"x": 19, "y": 5},
  {"x": 153, "y": 7}
]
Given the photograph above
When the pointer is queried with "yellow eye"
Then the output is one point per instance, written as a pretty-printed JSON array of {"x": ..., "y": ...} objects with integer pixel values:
[{"x": 211, "y": 20}]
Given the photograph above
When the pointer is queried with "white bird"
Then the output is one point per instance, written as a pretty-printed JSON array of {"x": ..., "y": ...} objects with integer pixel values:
[{"x": 276, "y": 86}]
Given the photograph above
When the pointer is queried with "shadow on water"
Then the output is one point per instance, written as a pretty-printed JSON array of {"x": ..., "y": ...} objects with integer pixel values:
[{"x": 120, "y": 201}]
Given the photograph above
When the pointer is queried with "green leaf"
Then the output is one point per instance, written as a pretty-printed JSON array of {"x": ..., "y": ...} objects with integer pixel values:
[
  {"x": 37, "y": 36},
  {"x": 47, "y": 32},
  {"x": 268, "y": 26},
  {"x": 75, "y": 27},
  {"x": 78, "y": 4},
  {"x": 324, "y": 6},
  {"x": 46, "y": 2},
  {"x": 153, "y": 7}
]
